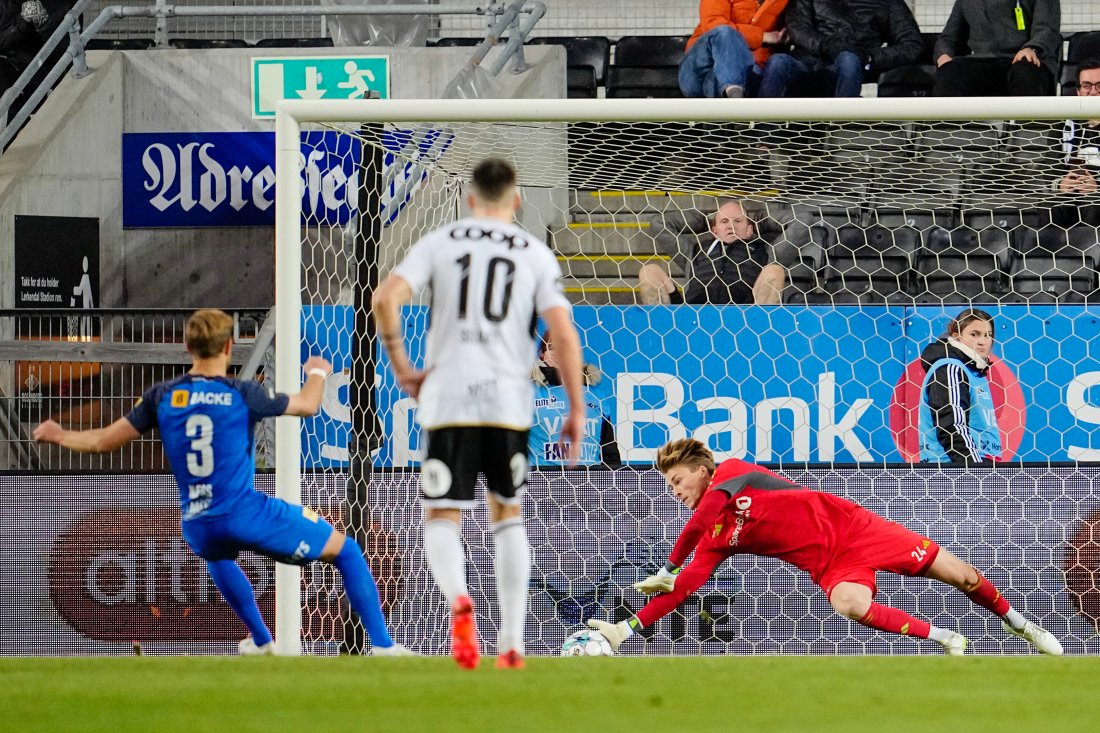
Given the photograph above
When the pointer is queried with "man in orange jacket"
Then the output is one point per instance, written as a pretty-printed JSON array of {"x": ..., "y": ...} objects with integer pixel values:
[{"x": 729, "y": 47}]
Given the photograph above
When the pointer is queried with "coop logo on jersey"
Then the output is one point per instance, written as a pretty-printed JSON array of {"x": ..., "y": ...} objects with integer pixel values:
[{"x": 223, "y": 179}]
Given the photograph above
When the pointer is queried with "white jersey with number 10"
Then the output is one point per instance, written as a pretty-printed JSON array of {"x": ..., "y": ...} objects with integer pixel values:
[{"x": 489, "y": 280}]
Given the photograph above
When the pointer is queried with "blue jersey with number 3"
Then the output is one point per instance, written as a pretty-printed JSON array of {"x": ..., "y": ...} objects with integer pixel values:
[{"x": 207, "y": 426}]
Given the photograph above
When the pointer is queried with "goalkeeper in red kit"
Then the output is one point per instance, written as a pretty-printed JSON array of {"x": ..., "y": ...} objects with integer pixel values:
[{"x": 743, "y": 508}]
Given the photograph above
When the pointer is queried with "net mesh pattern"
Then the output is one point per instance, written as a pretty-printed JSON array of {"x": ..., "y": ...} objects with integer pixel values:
[{"x": 94, "y": 573}]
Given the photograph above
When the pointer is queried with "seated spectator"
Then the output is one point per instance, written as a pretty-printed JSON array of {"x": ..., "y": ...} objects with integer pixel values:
[
  {"x": 598, "y": 446},
  {"x": 20, "y": 24},
  {"x": 996, "y": 48},
  {"x": 728, "y": 49},
  {"x": 848, "y": 43},
  {"x": 731, "y": 265},
  {"x": 1081, "y": 141}
]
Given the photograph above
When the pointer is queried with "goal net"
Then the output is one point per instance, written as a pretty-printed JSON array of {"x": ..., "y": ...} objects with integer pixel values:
[{"x": 888, "y": 218}]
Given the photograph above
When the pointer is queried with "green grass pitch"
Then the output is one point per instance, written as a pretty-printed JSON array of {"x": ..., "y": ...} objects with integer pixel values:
[{"x": 647, "y": 695}]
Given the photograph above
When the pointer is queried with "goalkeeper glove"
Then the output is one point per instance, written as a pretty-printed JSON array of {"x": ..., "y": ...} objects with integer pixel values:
[
  {"x": 662, "y": 582},
  {"x": 614, "y": 633}
]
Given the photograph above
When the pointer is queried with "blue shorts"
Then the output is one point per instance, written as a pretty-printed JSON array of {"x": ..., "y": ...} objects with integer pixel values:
[{"x": 287, "y": 533}]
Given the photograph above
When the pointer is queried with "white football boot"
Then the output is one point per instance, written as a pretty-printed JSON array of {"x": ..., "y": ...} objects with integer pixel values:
[
  {"x": 955, "y": 645},
  {"x": 248, "y": 648},
  {"x": 1037, "y": 636}
]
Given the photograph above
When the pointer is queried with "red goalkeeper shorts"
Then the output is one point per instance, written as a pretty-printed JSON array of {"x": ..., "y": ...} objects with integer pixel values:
[{"x": 873, "y": 545}]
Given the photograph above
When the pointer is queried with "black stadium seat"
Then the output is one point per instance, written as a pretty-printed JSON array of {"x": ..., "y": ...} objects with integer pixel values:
[
  {"x": 963, "y": 265},
  {"x": 646, "y": 66},
  {"x": 872, "y": 264},
  {"x": 1055, "y": 266},
  {"x": 118, "y": 44},
  {"x": 587, "y": 59},
  {"x": 457, "y": 41},
  {"x": 1083, "y": 46},
  {"x": 913, "y": 80},
  {"x": 294, "y": 43},
  {"x": 207, "y": 43}
]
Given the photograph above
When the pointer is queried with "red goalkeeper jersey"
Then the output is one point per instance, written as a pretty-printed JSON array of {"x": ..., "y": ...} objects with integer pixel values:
[{"x": 749, "y": 509}]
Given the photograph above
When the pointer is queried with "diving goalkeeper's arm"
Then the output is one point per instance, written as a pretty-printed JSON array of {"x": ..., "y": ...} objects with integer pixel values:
[{"x": 673, "y": 585}]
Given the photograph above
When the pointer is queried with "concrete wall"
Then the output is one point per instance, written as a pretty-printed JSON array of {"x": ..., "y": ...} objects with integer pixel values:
[{"x": 67, "y": 162}]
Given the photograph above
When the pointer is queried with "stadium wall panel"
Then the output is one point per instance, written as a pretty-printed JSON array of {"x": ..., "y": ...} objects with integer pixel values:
[{"x": 95, "y": 563}]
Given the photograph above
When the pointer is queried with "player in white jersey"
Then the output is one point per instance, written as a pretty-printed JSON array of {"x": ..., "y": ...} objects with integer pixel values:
[{"x": 490, "y": 279}]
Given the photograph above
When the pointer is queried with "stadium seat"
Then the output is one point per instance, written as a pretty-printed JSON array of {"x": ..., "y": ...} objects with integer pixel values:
[
  {"x": 294, "y": 43},
  {"x": 1008, "y": 219},
  {"x": 907, "y": 81},
  {"x": 462, "y": 41},
  {"x": 646, "y": 66},
  {"x": 962, "y": 265},
  {"x": 586, "y": 59},
  {"x": 913, "y": 80},
  {"x": 1082, "y": 46},
  {"x": 1069, "y": 215},
  {"x": 207, "y": 43},
  {"x": 920, "y": 219},
  {"x": 1055, "y": 266},
  {"x": 872, "y": 264},
  {"x": 804, "y": 274},
  {"x": 118, "y": 44},
  {"x": 801, "y": 250},
  {"x": 1035, "y": 139}
]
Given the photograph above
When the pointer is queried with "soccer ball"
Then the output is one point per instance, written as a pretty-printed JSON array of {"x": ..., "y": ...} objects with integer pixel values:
[{"x": 586, "y": 643}]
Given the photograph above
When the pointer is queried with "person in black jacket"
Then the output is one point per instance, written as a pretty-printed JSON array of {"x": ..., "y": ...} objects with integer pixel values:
[
  {"x": 1081, "y": 139},
  {"x": 850, "y": 40},
  {"x": 730, "y": 264},
  {"x": 957, "y": 418},
  {"x": 20, "y": 23},
  {"x": 994, "y": 48}
]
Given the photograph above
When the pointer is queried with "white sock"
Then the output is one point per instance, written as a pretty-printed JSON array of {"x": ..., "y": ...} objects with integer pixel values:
[
  {"x": 446, "y": 557},
  {"x": 512, "y": 562},
  {"x": 1015, "y": 619},
  {"x": 935, "y": 633}
]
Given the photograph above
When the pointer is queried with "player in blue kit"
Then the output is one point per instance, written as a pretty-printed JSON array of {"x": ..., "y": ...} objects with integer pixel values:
[{"x": 207, "y": 421}]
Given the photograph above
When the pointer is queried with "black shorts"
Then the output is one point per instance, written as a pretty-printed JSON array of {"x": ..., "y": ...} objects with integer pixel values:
[
  {"x": 676, "y": 297},
  {"x": 456, "y": 456}
]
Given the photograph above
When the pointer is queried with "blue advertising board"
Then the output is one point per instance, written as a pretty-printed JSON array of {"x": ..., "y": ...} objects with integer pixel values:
[
  {"x": 793, "y": 384},
  {"x": 220, "y": 179}
]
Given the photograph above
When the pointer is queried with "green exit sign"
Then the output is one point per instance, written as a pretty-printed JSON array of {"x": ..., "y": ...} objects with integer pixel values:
[{"x": 316, "y": 77}]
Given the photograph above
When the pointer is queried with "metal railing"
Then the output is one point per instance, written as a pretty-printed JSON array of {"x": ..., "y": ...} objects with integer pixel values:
[
  {"x": 88, "y": 368},
  {"x": 69, "y": 28}
]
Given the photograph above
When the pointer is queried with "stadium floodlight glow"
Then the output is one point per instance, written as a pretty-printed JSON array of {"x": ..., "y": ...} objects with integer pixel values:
[{"x": 599, "y": 178}]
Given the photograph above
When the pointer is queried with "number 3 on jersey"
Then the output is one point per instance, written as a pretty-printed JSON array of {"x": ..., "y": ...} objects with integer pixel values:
[
  {"x": 495, "y": 308},
  {"x": 200, "y": 459}
]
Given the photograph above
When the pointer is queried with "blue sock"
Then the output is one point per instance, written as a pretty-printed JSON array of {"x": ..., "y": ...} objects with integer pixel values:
[
  {"x": 362, "y": 592},
  {"x": 238, "y": 593}
]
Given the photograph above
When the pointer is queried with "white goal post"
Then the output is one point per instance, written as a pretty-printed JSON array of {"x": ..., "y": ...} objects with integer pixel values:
[{"x": 295, "y": 117}]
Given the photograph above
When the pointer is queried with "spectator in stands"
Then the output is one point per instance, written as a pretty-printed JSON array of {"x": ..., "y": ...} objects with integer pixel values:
[
  {"x": 849, "y": 42},
  {"x": 993, "y": 48},
  {"x": 20, "y": 24},
  {"x": 731, "y": 265},
  {"x": 598, "y": 446},
  {"x": 957, "y": 420},
  {"x": 1081, "y": 141},
  {"x": 726, "y": 54}
]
